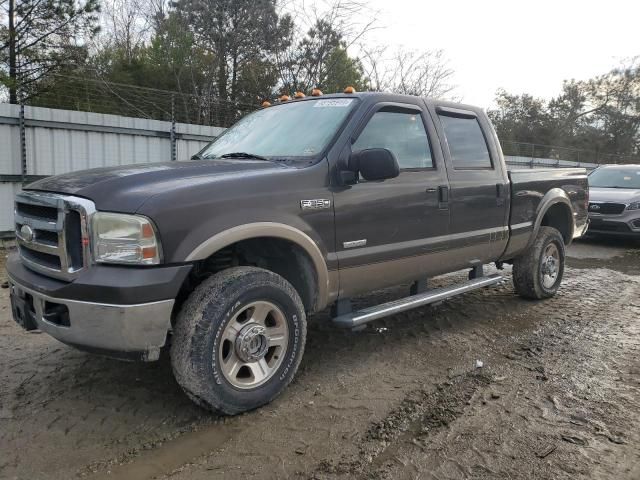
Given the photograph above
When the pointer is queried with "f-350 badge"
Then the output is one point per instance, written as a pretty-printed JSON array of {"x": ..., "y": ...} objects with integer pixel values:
[{"x": 316, "y": 204}]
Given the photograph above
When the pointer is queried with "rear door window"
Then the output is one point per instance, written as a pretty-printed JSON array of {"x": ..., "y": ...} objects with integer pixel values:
[{"x": 467, "y": 145}]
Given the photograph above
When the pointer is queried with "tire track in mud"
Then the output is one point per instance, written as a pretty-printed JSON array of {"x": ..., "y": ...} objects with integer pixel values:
[
  {"x": 351, "y": 392},
  {"x": 457, "y": 314},
  {"x": 425, "y": 413},
  {"x": 413, "y": 429},
  {"x": 419, "y": 415},
  {"x": 398, "y": 327}
]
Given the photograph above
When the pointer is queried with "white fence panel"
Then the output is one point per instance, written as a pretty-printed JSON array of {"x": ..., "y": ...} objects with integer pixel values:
[
  {"x": 9, "y": 140},
  {"x": 7, "y": 192},
  {"x": 91, "y": 140},
  {"x": 187, "y": 147},
  {"x": 62, "y": 141}
]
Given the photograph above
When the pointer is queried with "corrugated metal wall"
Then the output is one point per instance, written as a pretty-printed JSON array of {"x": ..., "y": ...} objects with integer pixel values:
[
  {"x": 60, "y": 141},
  {"x": 9, "y": 141},
  {"x": 7, "y": 192}
]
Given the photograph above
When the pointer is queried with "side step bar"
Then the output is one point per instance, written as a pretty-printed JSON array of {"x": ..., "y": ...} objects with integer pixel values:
[{"x": 356, "y": 319}]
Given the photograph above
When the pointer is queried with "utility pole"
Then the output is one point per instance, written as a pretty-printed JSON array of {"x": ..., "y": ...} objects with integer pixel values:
[
  {"x": 172, "y": 136},
  {"x": 13, "y": 61}
]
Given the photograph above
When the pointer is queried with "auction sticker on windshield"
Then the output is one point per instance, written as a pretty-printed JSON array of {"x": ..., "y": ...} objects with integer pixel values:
[{"x": 333, "y": 102}]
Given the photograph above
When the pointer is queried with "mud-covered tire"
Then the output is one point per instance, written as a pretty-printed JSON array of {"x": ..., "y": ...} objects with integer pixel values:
[
  {"x": 199, "y": 344},
  {"x": 531, "y": 277}
]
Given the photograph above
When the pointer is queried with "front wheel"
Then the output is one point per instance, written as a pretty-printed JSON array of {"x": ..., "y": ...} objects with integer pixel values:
[
  {"x": 238, "y": 340},
  {"x": 538, "y": 272}
]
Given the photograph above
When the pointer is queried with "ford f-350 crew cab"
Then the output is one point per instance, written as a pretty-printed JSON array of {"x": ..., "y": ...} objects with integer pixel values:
[{"x": 299, "y": 206}]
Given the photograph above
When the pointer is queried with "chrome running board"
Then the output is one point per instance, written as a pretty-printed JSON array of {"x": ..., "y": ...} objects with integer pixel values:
[{"x": 356, "y": 319}]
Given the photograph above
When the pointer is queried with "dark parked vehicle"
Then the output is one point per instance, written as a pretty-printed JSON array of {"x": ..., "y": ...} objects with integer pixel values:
[
  {"x": 614, "y": 202},
  {"x": 297, "y": 207}
]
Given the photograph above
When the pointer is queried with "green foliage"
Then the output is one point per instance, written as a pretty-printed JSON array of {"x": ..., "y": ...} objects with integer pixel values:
[
  {"x": 240, "y": 51},
  {"x": 319, "y": 59},
  {"x": 241, "y": 36},
  {"x": 45, "y": 37},
  {"x": 342, "y": 71},
  {"x": 521, "y": 118}
]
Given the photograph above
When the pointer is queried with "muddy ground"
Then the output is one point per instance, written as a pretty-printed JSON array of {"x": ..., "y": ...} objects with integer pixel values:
[{"x": 557, "y": 396}]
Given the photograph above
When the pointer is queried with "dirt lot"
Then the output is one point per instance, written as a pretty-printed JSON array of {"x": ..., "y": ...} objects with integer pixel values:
[{"x": 558, "y": 395}]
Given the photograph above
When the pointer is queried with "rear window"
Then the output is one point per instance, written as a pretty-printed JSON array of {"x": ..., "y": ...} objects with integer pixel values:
[{"x": 467, "y": 145}]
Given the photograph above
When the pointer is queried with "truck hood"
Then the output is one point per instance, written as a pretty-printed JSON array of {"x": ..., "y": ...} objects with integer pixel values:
[
  {"x": 125, "y": 188},
  {"x": 614, "y": 195}
]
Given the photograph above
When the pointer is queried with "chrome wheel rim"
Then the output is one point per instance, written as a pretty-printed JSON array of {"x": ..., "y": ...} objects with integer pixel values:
[
  {"x": 253, "y": 345},
  {"x": 550, "y": 265}
]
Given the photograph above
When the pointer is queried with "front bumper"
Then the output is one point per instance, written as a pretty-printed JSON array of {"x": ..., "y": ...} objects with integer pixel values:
[
  {"x": 627, "y": 224},
  {"x": 122, "y": 329}
]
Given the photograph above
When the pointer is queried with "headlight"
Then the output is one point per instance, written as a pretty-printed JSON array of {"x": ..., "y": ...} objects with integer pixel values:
[
  {"x": 119, "y": 238},
  {"x": 634, "y": 206}
]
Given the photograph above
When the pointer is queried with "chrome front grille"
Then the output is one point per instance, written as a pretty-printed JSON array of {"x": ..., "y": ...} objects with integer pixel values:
[{"x": 52, "y": 232}]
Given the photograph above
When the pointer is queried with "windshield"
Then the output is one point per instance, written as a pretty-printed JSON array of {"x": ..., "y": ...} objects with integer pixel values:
[
  {"x": 296, "y": 129},
  {"x": 623, "y": 177}
]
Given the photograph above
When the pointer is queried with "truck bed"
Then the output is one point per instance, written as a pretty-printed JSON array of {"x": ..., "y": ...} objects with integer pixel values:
[{"x": 529, "y": 190}]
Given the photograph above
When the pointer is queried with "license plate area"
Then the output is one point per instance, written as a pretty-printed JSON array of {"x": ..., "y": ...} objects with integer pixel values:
[{"x": 23, "y": 309}]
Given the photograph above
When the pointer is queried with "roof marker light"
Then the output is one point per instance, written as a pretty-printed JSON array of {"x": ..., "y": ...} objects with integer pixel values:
[
  {"x": 316, "y": 92},
  {"x": 285, "y": 98},
  {"x": 266, "y": 104},
  {"x": 299, "y": 95},
  {"x": 349, "y": 90}
]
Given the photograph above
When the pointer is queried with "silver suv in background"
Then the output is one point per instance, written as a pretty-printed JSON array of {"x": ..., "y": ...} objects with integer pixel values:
[{"x": 614, "y": 200}]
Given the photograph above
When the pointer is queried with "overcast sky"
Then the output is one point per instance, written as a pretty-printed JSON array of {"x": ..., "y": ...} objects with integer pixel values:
[{"x": 520, "y": 46}]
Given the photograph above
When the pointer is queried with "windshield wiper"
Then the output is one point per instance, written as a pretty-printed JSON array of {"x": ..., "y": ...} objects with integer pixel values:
[{"x": 243, "y": 155}]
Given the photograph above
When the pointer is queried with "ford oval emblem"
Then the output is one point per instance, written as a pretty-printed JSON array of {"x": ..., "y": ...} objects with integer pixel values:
[
  {"x": 26, "y": 232},
  {"x": 595, "y": 207}
]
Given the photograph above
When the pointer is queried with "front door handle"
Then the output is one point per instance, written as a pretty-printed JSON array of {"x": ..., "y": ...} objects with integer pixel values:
[{"x": 443, "y": 196}]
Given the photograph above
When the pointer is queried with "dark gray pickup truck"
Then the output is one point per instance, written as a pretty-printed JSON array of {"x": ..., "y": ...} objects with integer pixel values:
[{"x": 298, "y": 207}]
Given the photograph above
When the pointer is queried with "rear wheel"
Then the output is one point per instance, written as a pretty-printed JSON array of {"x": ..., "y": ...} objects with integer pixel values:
[
  {"x": 538, "y": 272},
  {"x": 238, "y": 340}
]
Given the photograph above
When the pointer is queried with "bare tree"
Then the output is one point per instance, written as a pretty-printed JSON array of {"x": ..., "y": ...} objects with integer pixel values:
[
  {"x": 6, "y": 45},
  {"x": 318, "y": 28},
  {"x": 376, "y": 69},
  {"x": 423, "y": 73},
  {"x": 126, "y": 24}
]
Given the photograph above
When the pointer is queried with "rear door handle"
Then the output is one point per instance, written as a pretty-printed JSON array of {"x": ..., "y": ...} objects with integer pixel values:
[
  {"x": 432, "y": 190},
  {"x": 500, "y": 191},
  {"x": 443, "y": 196}
]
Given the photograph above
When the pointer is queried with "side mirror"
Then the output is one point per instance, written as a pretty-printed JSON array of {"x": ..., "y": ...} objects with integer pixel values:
[{"x": 374, "y": 164}]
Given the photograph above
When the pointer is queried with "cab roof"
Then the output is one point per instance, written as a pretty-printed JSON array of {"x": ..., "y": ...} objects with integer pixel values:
[{"x": 391, "y": 97}]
